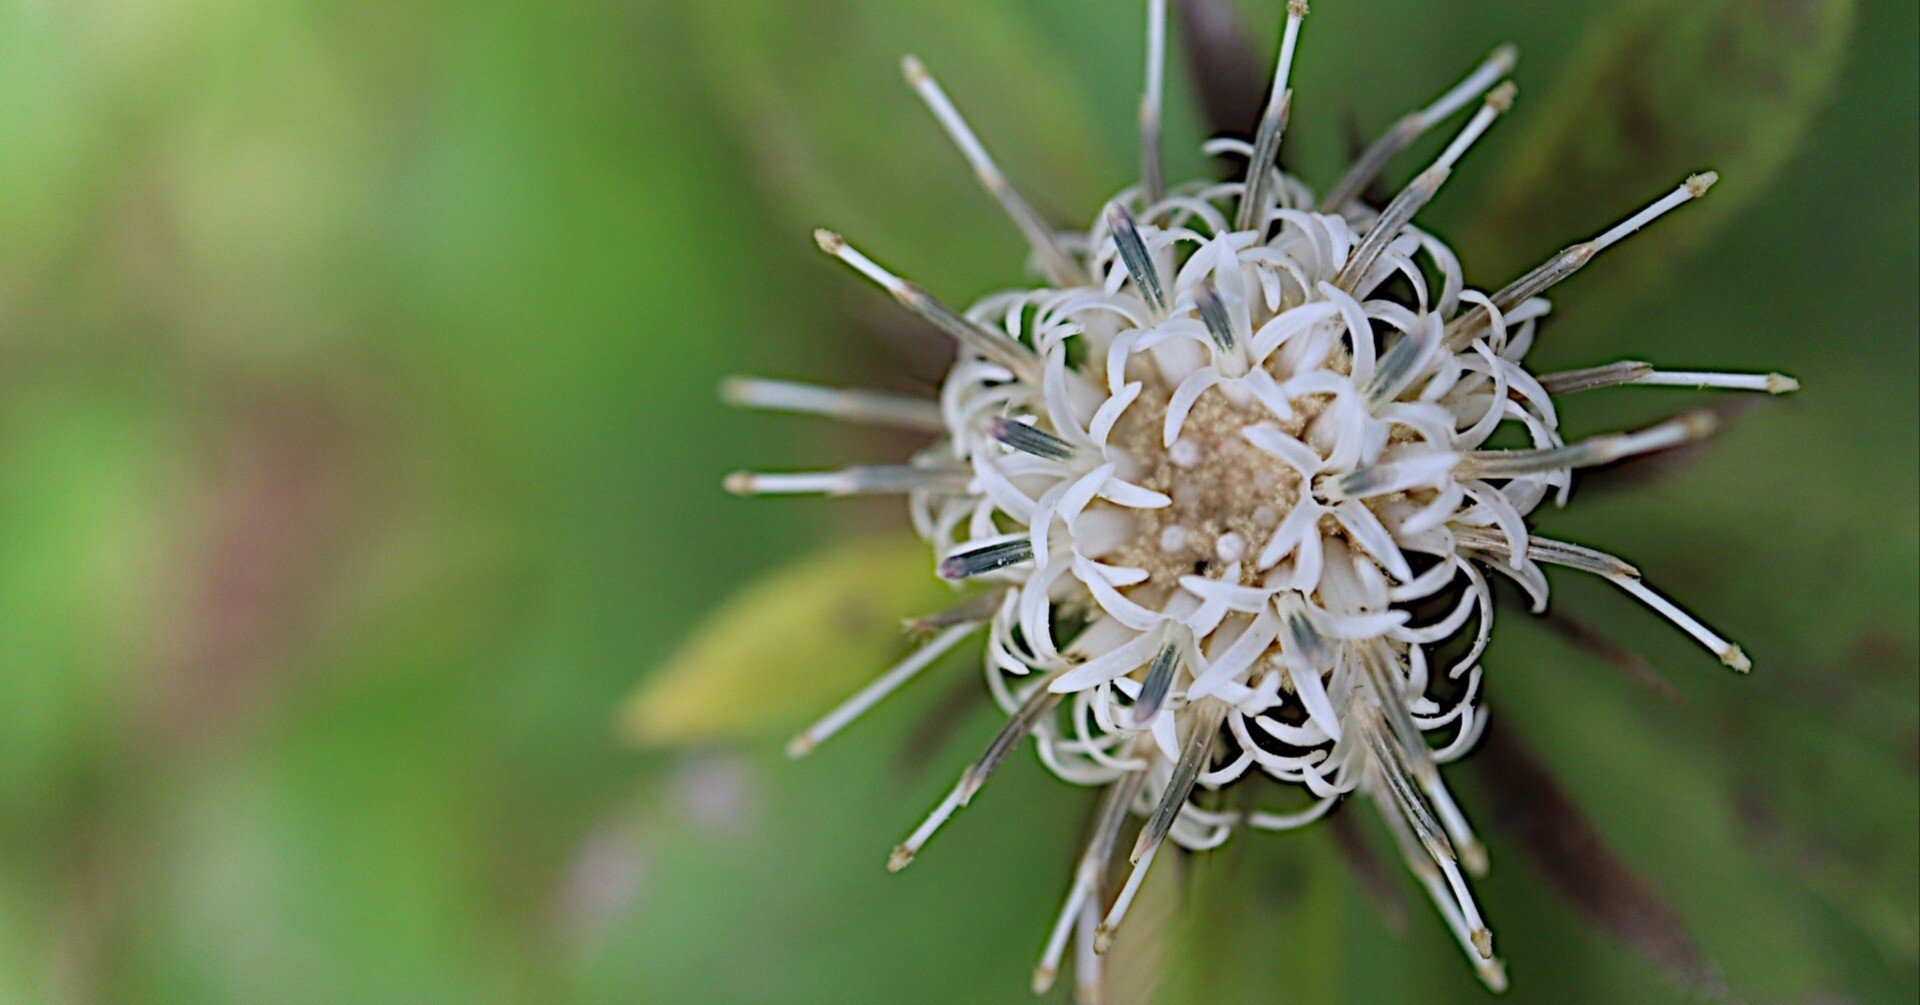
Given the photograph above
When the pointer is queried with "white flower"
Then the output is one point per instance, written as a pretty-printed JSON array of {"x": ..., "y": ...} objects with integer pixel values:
[{"x": 1227, "y": 479}]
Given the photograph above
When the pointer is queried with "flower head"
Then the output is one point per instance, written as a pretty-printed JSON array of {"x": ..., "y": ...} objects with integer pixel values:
[{"x": 1225, "y": 483}]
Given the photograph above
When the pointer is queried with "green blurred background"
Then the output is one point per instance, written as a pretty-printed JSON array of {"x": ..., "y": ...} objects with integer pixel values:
[{"x": 362, "y": 457}]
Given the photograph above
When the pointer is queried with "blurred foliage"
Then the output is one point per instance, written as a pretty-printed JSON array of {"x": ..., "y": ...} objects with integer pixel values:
[
  {"x": 363, "y": 453},
  {"x": 790, "y": 646},
  {"x": 1654, "y": 93}
]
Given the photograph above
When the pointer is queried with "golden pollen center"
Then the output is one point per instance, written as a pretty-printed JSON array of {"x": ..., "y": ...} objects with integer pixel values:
[{"x": 1228, "y": 495}]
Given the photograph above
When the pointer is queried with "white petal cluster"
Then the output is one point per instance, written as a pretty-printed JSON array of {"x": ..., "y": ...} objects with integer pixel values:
[{"x": 1227, "y": 485}]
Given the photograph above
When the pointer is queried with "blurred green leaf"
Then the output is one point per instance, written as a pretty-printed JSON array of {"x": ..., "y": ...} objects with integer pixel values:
[
  {"x": 1660, "y": 90},
  {"x": 1280, "y": 896},
  {"x": 1134, "y": 968},
  {"x": 1668, "y": 787},
  {"x": 789, "y": 644},
  {"x": 815, "y": 97},
  {"x": 791, "y": 901}
]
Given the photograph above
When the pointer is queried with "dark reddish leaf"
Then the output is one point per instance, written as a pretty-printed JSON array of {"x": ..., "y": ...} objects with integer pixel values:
[
  {"x": 1226, "y": 66},
  {"x": 1647, "y": 469},
  {"x": 963, "y": 696},
  {"x": 1370, "y": 871},
  {"x": 1598, "y": 644},
  {"x": 1526, "y": 800}
]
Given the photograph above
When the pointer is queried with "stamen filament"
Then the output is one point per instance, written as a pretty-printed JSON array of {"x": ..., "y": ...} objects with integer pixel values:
[
  {"x": 882, "y": 686},
  {"x": 1603, "y": 449},
  {"x": 978, "y": 560},
  {"x": 1732, "y": 655},
  {"x": 1635, "y": 372},
  {"x": 862, "y": 479},
  {"x": 854, "y": 405},
  {"x": 1090, "y": 872},
  {"x": 1028, "y": 439},
  {"x": 1153, "y": 692},
  {"x": 1152, "y": 176},
  {"x": 1420, "y": 191},
  {"x": 994, "y": 346},
  {"x": 1463, "y": 329},
  {"x": 1374, "y": 159},
  {"x": 1134, "y": 255},
  {"x": 1203, "y": 726},
  {"x": 904, "y": 852},
  {"x": 1058, "y": 266},
  {"x": 1213, "y": 314},
  {"x": 1040, "y": 701},
  {"x": 1273, "y": 124}
]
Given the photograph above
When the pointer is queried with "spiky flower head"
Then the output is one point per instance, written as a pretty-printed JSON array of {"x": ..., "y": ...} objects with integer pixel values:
[{"x": 1224, "y": 481}]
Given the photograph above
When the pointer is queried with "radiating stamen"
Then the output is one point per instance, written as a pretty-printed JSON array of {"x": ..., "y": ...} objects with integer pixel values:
[
  {"x": 1059, "y": 266},
  {"x": 1029, "y": 439},
  {"x": 1153, "y": 692},
  {"x": 1389, "y": 757},
  {"x": 1400, "y": 365},
  {"x": 1731, "y": 655},
  {"x": 882, "y": 686},
  {"x": 1206, "y": 717},
  {"x": 971, "y": 611},
  {"x": 861, "y": 479},
  {"x": 1472, "y": 853},
  {"x": 1489, "y": 968},
  {"x": 852, "y": 404},
  {"x": 994, "y": 346},
  {"x": 904, "y": 852},
  {"x": 1152, "y": 177},
  {"x": 1387, "y": 477},
  {"x": 1420, "y": 191},
  {"x": 1594, "y": 377},
  {"x": 1463, "y": 329},
  {"x": 1273, "y": 125},
  {"x": 1213, "y": 313},
  {"x": 1541, "y": 549},
  {"x": 1384, "y": 678},
  {"x": 1410, "y": 127},
  {"x": 1618, "y": 571},
  {"x": 1040, "y": 701},
  {"x": 1307, "y": 644},
  {"x": 1771, "y": 383},
  {"x": 1604, "y": 449},
  {"x": 1103, "y": 936},
  {"x": 1693, "y": 188},
  {"x": 1419, "y": 816},
  {"x": 1202, "y": 728},
  {"x": 1092, "y": 869},
  {"x": 1133, "y": 253},
  {"x": 980, "y": 559}
]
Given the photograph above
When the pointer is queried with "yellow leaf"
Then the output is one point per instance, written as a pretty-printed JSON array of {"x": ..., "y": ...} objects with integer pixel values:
[{"x": 789, "y": 645}]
